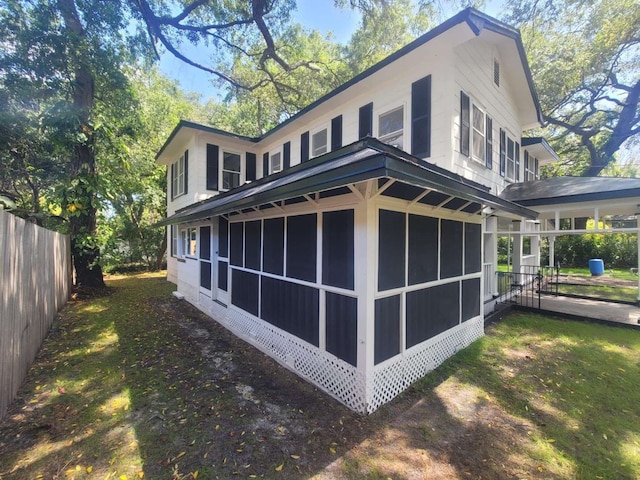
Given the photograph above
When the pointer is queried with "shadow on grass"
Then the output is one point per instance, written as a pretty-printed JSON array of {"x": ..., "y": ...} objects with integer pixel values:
[
  {"x": 141, "y": 384},
  {"x": 572, "y": 387}
]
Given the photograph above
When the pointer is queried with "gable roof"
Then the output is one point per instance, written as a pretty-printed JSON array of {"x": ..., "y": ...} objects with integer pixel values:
[
  {"x": 477, "y": 22},
  {"x": 556, "y": 190},
  {"x": 366, "y": 159}
]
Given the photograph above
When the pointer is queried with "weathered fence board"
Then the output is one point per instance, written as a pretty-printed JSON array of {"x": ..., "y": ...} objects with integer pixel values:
[{"x": 34, "y": 285}]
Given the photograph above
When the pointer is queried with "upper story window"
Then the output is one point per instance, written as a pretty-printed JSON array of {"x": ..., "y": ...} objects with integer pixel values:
[
  {"x": 391, "y": 127},
  {"x": 530, "y": 167},
  {"x": 509, "y": 157},
  {"x": 319, "y": 143},
  {"x": 476, "y": 132},
  {"x": 179, "y": 176},
  {"x": 275, "y": 162},
  {"x": 231, "y": 166}
]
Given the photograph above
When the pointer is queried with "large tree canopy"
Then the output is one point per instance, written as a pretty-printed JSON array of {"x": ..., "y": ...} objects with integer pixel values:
[
  {"x": 62, "y": 70},
  {"x": 584, "y": 56}
]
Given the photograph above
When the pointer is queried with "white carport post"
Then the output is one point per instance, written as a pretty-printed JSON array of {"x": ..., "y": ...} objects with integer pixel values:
[
  {"x": 516, "y": 253},
  {"x": 638, "y": 271},
  {"x": 552, "y": 250}
]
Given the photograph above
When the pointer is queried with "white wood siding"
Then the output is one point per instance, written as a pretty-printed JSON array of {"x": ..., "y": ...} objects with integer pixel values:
[{"x": 474, "y": 75}]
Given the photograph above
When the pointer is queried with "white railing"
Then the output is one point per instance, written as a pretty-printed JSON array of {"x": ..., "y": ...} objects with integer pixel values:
[{"x": 488, "y": 274}]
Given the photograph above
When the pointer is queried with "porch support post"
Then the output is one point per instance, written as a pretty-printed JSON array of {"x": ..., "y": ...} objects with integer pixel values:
[
  {"x": 552, "y": 250},
  {"x": 491, "y": 254},
  {"x": 637, "y": 217},
  {"x": 365, "y": 242},
  {"x": 535, "y": 249},
  {"x": 516, "y": 253}
]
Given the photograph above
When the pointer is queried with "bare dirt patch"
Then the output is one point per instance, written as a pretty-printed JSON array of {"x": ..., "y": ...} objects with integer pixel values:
[{"x": 141, "y": 385}]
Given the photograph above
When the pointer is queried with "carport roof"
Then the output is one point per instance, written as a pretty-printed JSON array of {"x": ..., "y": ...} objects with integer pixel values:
[
  {"x": 558, "y": 190},
  {"x": 367, "y": 159}
]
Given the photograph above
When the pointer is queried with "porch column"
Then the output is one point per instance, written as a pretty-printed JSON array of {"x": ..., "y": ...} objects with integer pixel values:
[
  {"x": 638, "y": 257},
  {"x": 552, "y": 250},
  {"x": 535, "y": 249},
  {"x": 516, "y": 253},
  {"x": 491, "y": 255}
]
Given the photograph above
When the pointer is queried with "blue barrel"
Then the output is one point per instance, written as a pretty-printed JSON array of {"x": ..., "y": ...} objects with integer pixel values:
[{"x": 596, "y": 267}]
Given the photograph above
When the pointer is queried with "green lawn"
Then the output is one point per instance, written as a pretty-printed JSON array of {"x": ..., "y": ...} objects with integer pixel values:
[
  {"x": 624, "y": 294},
  {"x": 621, "y": 273},
  {"x": 574, "y": 384},
  {"x": 139, "y": 385}
]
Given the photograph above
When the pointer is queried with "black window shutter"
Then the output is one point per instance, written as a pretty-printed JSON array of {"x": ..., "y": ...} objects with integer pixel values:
[
  {"x": 365, "y": 120},
  {"x": 421, "y": 117},
  {"x": 186, "y": 170},
  {"x": 173, "y": 175},
  {"x": 535, "y": 170},
  {"x": 251, "y": 167},
  {"x": 336, "y": 133},
  {"x": 304, "y": 147},
  {"x": 489, "y": 149},
  {"x": 517, "y": 162},
  {"x": 465, "y": 123},
  {"x": 212, "y": 167},
  {"x": 286, "y": 154},
  {"x": 503, "y": 152},
  {"x": 265, "y": 164}
]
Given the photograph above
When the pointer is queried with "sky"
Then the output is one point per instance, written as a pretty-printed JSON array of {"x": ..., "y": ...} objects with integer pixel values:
[{"x": 320, "y": 15}]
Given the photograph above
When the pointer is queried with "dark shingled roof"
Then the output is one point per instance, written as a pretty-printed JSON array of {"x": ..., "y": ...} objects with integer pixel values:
[
  {"x": 363, "y": 160},
  {"x": 571, "y": 189}
]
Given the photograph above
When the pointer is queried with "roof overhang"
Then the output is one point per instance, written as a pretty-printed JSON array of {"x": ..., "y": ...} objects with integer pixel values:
[
  {"x": 367, "y": 159},
  {"x": 540, "y": 148},
  {"x": 183, "y": 132},
  {"x": 478, "y": 23}
]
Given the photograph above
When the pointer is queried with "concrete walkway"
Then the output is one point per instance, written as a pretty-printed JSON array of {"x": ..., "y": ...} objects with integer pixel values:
[{"x": 592, "y": 310}]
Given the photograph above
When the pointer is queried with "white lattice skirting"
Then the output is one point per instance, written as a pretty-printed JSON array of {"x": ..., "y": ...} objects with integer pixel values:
[
  {"x": 337, "y": 378},
  {"x": 340, "y": 379},
  {"x": 399, "y": 373}
]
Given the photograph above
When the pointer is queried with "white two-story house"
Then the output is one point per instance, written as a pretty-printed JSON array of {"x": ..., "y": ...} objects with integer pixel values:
[{"x": 356, "y": 242}]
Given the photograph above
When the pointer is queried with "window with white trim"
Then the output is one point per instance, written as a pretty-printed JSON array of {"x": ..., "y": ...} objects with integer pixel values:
[
  {"x": 178, "y": 177},
  {"x": 319, "y": 143},
  {"x": 479, "y": 141},
  {"x": 275, "y": 162},
  {"x": 476, "y": 135},
  {"x": 231, "y": 167},
  {"x": 174, "y": 241},
  {"x": 530, "y": 164},
  {"x": 511, "y": 159},
  {"x": 188, "y": 242},
  {"x": 391, "y": 127}
]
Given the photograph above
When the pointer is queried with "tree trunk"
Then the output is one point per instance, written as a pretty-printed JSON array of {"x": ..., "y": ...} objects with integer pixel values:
[
  {"x": 81, "y": 197},
  {"x": 160, "y": 252}
]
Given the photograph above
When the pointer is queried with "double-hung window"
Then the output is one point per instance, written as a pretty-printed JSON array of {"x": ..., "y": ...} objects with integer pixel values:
[
  {"x": 275, "y": 162},
  {"x": 476, "y": 135},
  {"x": 530, "y": 167},
  {"x": 478, "y": 141},
  {"x": 391, "y": 127},
  {"x": 188, "y": 242},
  {"x": 319, "y": 143},
  {"x": 178, "y": 177},
  {"x": 231, "y": 166}
]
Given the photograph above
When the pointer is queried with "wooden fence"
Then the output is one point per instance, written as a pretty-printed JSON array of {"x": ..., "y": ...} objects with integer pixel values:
[{"x": 35, "y": 278}]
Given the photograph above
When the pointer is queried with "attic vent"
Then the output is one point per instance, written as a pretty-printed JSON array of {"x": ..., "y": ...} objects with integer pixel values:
[{"x": 496, "y": 72}]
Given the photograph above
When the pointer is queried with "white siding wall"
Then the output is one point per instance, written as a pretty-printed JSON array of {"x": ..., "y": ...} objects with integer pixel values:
[{"x": 474, "y": 76}]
